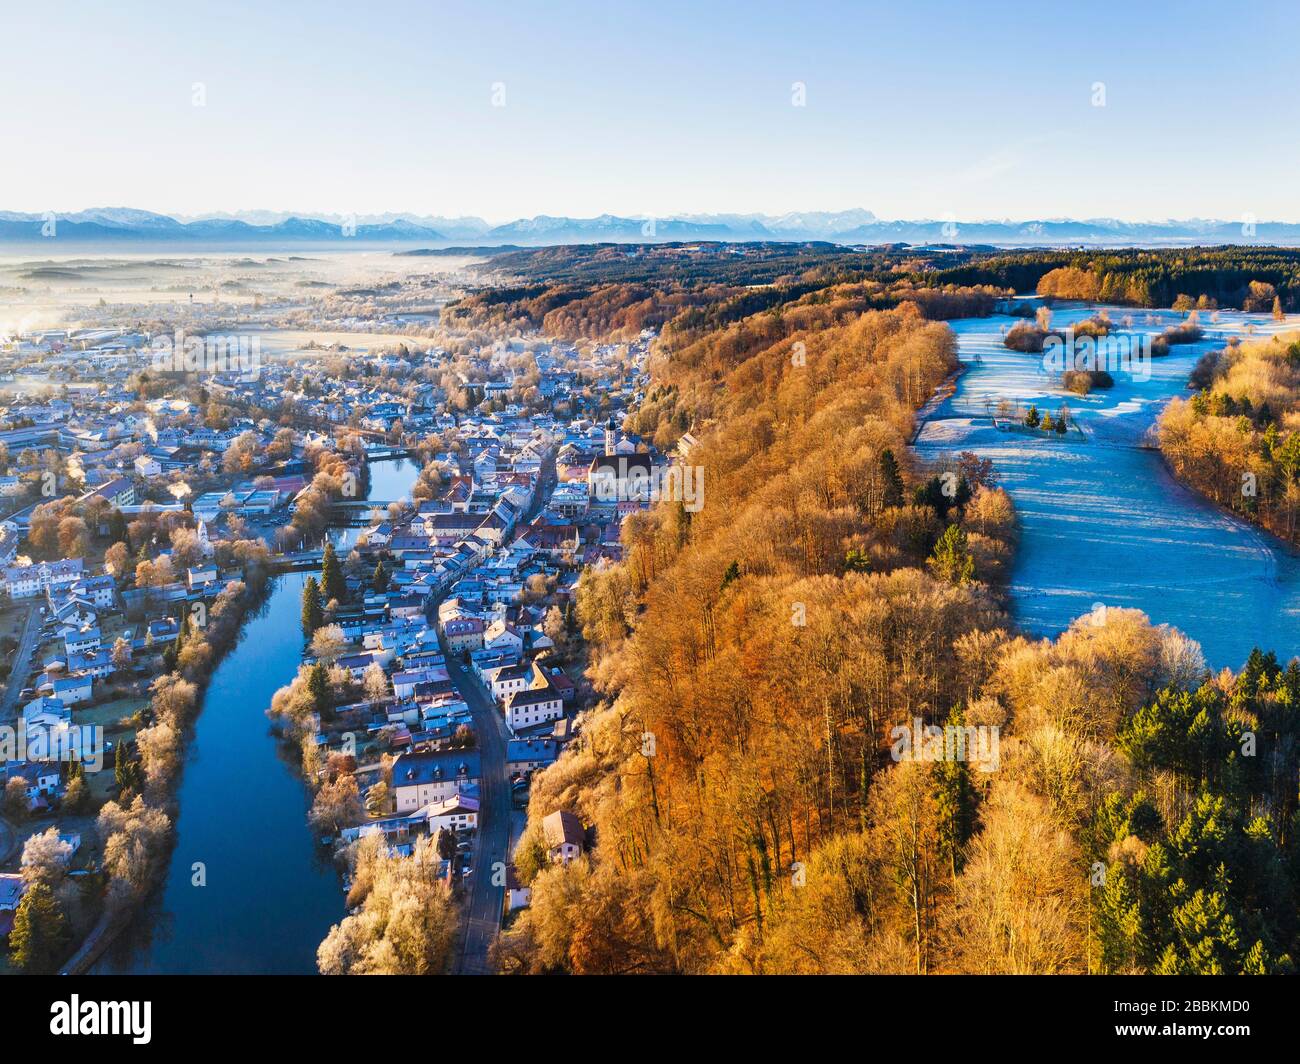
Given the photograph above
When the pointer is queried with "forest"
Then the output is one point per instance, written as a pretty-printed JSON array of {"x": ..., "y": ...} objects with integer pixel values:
[
  {"x": 613, "y": 291},
  {"x": 1237, "y": 440},
  {"x": 757, "y": 660},
  {"x": 1245, "y": 278}
]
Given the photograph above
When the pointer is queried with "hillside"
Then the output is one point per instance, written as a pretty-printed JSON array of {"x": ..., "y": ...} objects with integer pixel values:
[{"x": 765, "y": 664}]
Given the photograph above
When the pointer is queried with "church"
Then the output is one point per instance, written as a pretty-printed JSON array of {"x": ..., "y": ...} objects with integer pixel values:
[{"x": 618, "y": 477}]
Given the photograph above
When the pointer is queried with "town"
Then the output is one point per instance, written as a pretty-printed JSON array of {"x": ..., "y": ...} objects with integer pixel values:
[{"x": 156, "y": 500}]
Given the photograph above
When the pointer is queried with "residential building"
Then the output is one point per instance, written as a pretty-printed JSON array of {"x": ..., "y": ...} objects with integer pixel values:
[
  {"x": 565, "y": 836},
  {"x": 423, "y": 778}
]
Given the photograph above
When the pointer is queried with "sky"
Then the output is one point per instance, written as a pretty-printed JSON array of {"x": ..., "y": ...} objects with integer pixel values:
[{"x": 1141, "y": 111}]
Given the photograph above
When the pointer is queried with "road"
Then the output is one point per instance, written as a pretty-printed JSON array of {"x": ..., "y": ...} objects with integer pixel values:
[
  {"x": 486, "y": 898},
  {"x": 8, "y": 840},
  {"x": 21, "y": 666},
  {"x": 492, "y": 842}
]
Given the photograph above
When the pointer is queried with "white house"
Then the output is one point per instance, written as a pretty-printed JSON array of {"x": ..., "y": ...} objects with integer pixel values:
[
  {"x": 41, "y": 778},
  {"x": 12, "y": 889},
  {"x": 45, "y": 714},
  {"x": 457, "y": 813},
  {"x": 82, "y": 641},
  {"x": 517, "y": 895},
  {"x": 147, "y": 466},
  {"x": 501, "y": 635},
  {"x": 76, "y": 612},
  {"x": 405, "y": 682},
  {"x": 72, "y": 690},
  {"x": 564, "y": 836},
  {"x": 98, "y": 664},
  {"x": 24, "y": 581},
  {"x": 528, "y": 755},
  {"x": 506, "y": 680},
  {"x": 536, "y": 705},
  {"x": 201, "y": 578},
  {"x": 101, "y": 591}
]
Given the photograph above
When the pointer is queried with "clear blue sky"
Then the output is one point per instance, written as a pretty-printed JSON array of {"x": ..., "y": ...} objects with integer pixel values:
[{"x": 976, "y": 110}]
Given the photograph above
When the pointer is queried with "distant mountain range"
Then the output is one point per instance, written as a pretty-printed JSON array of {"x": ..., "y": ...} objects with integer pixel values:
[{"x": 122, "y": 225}]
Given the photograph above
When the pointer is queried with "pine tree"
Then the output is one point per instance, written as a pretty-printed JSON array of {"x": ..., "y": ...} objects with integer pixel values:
[
  {"x": 951, "y": 560},
  {"x": 857, "y": 561},
  {"x": 332, "y": 583},
  {"x": 126, "y": 772},
  {"x": 1119, "y": 924},
  {"x": 1206, "y": 938},
  {"x": 40, "y": 932},
  {"x": 318, "y": 684},
  {"x": 889, "y": 472},
  {"x": 955, "y": 798},
  {"x": 182, "y": 635},
  {"x": 77, "y": 795},
  {"x": 117, "y": 531},
  {"x": 380, "y": 582},
  {"x": 313, "y": 616},
  {"x": 732, "y": 574}
]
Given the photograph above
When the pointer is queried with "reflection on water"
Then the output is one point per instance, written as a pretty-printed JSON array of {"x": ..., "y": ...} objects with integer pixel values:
[
  {"x": 270, "y": 893},
  {"x": 392, "y": 480}
]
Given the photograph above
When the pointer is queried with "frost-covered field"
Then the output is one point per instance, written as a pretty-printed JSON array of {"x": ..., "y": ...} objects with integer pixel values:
[{"x": 1102, "y": 521}]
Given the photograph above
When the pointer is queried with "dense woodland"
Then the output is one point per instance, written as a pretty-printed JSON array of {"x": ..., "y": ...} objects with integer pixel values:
[
  {"x": 1237, "y": 440},
  {"x": 737, "y": 779},
  {"x": 1245, "y": 278},
  {"x": 613, "y": 291}
]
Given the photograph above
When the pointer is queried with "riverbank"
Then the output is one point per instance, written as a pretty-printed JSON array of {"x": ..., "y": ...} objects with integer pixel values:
[
  {"x": 161, "y": 783},
  {"x": 246, "y": 889},
  {"x": 239, "y": 836},
  {"x": 1232, "y": 439}
]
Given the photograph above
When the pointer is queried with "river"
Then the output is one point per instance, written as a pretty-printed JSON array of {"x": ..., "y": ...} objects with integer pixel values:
[
  {"x": 269, "y": 894},
  {"x": 1103, "y": 520}
]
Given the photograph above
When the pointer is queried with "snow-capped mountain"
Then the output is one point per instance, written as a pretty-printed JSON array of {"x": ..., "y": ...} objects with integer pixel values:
[{"x": 124, "y": 225}]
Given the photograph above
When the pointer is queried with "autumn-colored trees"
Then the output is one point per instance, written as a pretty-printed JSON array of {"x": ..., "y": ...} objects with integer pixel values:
[
  {"x": 756, "y": 654},
  {"x": 758, "y": 651},
  {"x": 1238, "y": 440}
]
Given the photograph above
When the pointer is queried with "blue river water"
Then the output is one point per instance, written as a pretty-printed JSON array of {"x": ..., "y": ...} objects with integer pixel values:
[{"x": 269, "y": 895}]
